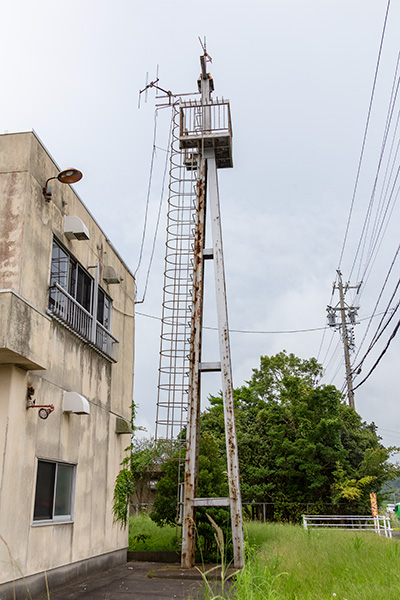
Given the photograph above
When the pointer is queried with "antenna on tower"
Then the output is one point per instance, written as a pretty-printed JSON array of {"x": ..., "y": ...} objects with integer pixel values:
[
  {"x": 152, "y": 84},
  {"x": 204, "y": 48}
]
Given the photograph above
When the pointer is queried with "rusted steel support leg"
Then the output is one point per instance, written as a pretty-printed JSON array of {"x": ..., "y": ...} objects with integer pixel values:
[
  {"x": 226, "y": 368},
  {"x": 193, "y": 427}
]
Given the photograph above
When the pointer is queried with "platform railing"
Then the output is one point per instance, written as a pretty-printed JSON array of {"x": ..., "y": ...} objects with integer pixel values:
[{"x": 192, "y": 123}]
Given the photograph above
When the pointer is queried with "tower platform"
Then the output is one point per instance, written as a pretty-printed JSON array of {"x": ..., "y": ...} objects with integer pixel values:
[{"x": 207, "y": 126}]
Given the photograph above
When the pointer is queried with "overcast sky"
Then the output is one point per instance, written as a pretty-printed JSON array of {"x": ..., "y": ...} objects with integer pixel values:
[{"x": 299, "y": 77}]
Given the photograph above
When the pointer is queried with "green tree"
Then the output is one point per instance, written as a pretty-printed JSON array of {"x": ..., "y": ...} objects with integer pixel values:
[
  {"x": 298, "y": 441},
  {"x": 212, "y": 482}
]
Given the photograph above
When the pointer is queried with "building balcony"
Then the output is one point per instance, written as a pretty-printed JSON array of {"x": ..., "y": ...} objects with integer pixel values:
[
  {"x": 67, "y": 311},
  {"x": 23, "y": 328}
]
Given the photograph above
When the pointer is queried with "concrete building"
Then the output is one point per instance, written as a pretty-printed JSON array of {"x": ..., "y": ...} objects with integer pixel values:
[{"x": 67, "y": 344}]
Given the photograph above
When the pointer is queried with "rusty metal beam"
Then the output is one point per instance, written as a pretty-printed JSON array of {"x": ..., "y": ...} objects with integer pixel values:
[
  {"x": 193, "y": 427},
  {"x": 225, "y": 355}
]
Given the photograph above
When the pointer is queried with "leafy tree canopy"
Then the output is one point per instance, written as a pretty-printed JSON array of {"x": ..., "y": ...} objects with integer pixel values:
[{"x": 298, "y": 440}]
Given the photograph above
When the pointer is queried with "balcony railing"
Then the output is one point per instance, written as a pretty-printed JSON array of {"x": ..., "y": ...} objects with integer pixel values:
[{"x": 77, "y": 319}]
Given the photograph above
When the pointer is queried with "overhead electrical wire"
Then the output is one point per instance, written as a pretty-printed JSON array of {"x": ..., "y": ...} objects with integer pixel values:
[
  {"x": 379, "y": 357},
  {"x": 339, "y": 366},
  {"x": 333, "y": 356},
  {"x": 386, "y": 179},
  {"x": 329, "y": 347},
  {"x": 365, "y": 135},
  {"x": 251, "y": 331},
  {"x": 377, "y": 218},
  {"x": 378, "y": 301},
  {"x": 361, "y": 159},
  {"x": 158, "y": 214},
  {"x": 146, "y": 212},
  {"x": 365, "y": 227},
  {"x": 375, "y": 339}
]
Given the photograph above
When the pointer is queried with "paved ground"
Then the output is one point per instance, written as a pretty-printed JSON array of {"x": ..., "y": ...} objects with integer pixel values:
[{"x": 135, "y": 581}]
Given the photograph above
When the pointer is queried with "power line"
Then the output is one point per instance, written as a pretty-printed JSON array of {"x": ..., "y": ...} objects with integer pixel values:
[
  {"x": 146, "y": 212},
  {"x": 366, "y": 224},
  {"x": 380, "y": 356},
  {"x": 246, "y": 330},
  {"x": 252, "y": 330},
  {"x": 158, "y": 215},
  {"x": 365, "y": 136},
  {"x": 376, "y": 338},
  {"x": 378, "y": 300},
  {"x": 383, "y": 194}
]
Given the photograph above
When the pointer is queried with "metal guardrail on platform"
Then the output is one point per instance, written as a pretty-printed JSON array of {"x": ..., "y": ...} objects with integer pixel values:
[{"x": 380, "y": 524}]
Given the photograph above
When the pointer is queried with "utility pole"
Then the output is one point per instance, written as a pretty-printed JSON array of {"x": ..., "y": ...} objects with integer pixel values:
[{"x": 347, "y": 321}]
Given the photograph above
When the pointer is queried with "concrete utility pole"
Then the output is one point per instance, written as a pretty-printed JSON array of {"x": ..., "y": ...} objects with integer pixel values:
[{"x": 348, "y": 320}]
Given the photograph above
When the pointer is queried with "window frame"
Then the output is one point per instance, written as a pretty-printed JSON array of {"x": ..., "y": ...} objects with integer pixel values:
[
  {"x": 55, "y": 519},
  {"x": 72, "y": 283}
]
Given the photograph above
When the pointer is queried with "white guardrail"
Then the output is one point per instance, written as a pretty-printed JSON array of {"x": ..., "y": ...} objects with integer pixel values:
[{"x": 380, "y": 524}]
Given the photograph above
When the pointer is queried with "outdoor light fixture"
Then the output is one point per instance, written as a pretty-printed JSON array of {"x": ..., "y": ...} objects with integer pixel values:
[
  {"x": 44, "y": 409},
  {"x": 66, "y": 176}
]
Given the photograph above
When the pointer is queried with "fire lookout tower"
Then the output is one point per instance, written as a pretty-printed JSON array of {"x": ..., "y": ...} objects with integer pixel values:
[{"x": 201, "y": 144}]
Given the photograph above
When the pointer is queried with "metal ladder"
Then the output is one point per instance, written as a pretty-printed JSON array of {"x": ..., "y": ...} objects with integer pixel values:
[{"x": 173, "y": 379}]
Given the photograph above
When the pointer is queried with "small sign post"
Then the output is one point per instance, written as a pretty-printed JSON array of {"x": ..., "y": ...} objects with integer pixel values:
[{"x": 374, "y": 511}]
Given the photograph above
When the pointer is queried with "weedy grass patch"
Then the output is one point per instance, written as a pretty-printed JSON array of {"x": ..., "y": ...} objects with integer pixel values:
[
  {"x": 144, "y": 534},
  {"x": 285, "y": 562}
]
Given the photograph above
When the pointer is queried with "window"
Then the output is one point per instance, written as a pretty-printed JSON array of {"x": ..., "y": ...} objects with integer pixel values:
[
  {"x": 80, "y": 304},
  {"x": 73, "y": 278},
  {"x": 104, "y": 309},
  {"x": 54, "y": 491}
]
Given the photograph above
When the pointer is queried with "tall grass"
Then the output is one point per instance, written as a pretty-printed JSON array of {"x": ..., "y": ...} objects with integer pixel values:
[
  {"x": 285, "y": 562},
  {"x": 144, "y": 534}
]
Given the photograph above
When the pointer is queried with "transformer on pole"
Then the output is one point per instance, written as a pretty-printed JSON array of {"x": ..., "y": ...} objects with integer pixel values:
[
  {"x": 348, "y": 316},
  {"x": 201, "y": 144}
]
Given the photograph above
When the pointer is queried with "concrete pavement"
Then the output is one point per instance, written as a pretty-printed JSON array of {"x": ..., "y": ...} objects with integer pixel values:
[{"x": 136, "y": 581}]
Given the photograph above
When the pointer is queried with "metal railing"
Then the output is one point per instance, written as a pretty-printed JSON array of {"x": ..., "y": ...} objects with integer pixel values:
[
  {"x": 380, "y": 524},
  {"x": 71, "y": 314},
  {"x": 106, "y": 342},
  {"x": 199, "y": 120}
]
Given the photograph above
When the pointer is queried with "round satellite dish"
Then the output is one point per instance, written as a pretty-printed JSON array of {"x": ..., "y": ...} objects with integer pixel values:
[{"x": 69, "y": 176}]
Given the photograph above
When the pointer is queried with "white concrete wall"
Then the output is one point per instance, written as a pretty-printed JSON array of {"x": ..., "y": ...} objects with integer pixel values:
[{"x": 27, "y": 225}]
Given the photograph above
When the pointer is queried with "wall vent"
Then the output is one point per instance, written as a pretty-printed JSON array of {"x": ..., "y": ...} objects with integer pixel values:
[
  {"x": 75, "y": 403},
  {"x": 75, "y": 228}
]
